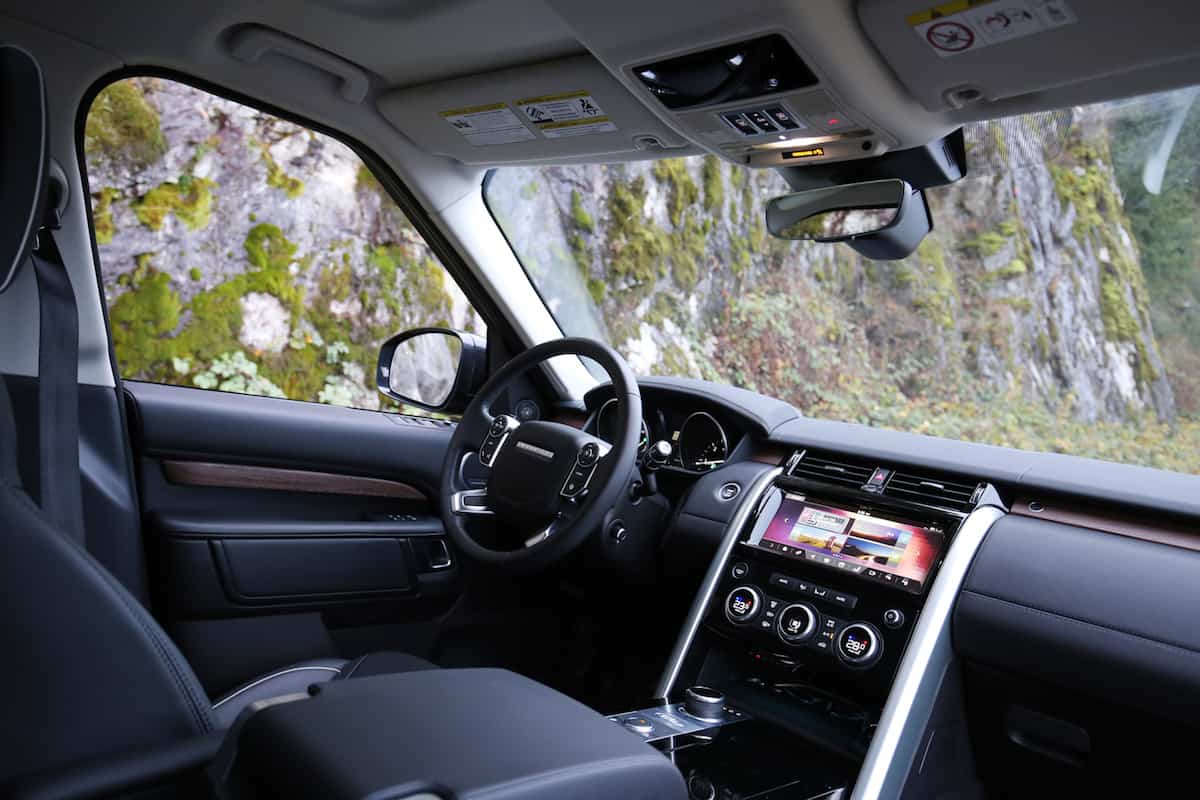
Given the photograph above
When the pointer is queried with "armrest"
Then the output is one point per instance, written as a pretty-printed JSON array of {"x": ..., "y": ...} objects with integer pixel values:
[{"x": 478, "y": 733}]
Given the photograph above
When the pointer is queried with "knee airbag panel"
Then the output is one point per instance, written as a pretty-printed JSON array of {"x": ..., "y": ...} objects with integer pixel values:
[
  {"x": 477, "y": 733},
  {"x": 1101, "y": 614}
]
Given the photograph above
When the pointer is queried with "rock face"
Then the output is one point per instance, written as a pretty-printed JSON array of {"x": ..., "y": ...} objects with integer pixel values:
[
  {"x": 240, "y": 251},
  {"x": 226, "y": 231}
]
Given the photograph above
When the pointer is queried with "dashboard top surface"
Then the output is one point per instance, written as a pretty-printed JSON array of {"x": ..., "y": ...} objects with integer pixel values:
[{"x": 771, "y": 422}]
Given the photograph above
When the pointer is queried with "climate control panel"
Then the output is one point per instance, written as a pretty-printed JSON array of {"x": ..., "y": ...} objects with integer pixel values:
[
  {"x": 855, "y": 643},
  {"x": 833, "y": 624}
]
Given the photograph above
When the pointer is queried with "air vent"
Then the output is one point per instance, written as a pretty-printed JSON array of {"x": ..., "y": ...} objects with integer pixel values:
[
  {"x": 836, "y": 470},
  {"x": 932, "y": 490}
]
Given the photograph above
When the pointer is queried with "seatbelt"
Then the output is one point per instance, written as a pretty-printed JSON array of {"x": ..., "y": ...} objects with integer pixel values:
[{"x": 59, "y": 484}]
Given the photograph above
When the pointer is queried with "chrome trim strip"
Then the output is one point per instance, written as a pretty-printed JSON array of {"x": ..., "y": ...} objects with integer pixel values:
[
  {"x": 266, "y": 678},
  {"x": 459, "y": 507},
  {"x": 533, "y": 449},
  {"x": 716, "y": 569},
  {"x": 929, "y": 652}
]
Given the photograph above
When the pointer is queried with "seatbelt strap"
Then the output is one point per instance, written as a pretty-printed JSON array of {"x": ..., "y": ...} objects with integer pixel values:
[{"x": 59, "y": 483}]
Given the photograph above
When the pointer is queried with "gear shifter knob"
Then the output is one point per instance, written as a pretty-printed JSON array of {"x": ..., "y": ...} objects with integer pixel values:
[{"x": 704, "y": 702}]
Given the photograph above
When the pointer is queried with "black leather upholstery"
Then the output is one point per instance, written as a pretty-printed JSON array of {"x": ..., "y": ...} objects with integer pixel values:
[
  {"x": 87, "y": 673},
  {"x": 484, "y": 734}
]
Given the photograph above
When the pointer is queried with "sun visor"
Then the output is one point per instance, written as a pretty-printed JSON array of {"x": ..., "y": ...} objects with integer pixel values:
[
  {"x": 961, "y": 52},
  {"x": 553, "y": 111}
]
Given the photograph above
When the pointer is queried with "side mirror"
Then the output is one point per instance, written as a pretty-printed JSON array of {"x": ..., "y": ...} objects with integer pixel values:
[
  {"x": 883, "y": 220},
  {"x": 433, "y": 368}
]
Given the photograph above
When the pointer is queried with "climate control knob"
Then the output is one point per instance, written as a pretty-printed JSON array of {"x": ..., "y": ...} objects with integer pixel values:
[
  {"x": 796, "y": 623},
  {"x": 859, "y": 644},
  {"x": 742, "y": 605}
]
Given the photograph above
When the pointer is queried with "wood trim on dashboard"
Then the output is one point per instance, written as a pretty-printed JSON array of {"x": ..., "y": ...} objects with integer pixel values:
[
  {"x": 1116, "y": 522},
  {"x": 240, "y": 476}
]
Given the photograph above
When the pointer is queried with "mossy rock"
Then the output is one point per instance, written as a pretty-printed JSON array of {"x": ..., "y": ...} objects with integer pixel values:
[
  {"x": 122, "y": 126},
  {"x": 189, "y": 199},
  {"x": 102, "y": 215},
  {"x": 714, "y": 184},
  {"x": 682, "y": 192},
  {"x": 579, "y": 216},
  {"x": 277, "y": 178}
]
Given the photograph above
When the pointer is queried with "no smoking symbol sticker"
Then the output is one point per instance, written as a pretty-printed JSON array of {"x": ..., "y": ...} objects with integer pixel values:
[{"x": 953, "y": 37}]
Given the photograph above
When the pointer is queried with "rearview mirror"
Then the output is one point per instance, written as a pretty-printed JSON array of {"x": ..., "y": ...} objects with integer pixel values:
[
  {"x": 432, "y": 368},
  {"x": 881, "y": 219}
]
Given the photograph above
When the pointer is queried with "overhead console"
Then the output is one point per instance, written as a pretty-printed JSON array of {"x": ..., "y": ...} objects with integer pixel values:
[{"x": 758, "y": 102}]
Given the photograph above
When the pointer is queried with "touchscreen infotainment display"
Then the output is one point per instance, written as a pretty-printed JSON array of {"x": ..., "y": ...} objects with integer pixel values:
[{"x": 886, "y": 551}]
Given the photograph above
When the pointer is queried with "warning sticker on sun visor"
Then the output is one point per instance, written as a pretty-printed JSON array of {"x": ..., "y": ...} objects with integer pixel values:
[
  {"x": 571, "y": 114},
  {"x": 961, "y": 26},
  {"x": 491, "y": 124}
]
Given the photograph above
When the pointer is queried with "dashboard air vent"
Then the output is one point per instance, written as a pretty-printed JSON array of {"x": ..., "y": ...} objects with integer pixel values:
[
  {"x": 838, "y": 470},
  {"x": 932, "y": 490}
]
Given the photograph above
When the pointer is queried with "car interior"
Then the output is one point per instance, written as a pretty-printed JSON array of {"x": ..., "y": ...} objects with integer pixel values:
[{"x": 522, "y": 563}]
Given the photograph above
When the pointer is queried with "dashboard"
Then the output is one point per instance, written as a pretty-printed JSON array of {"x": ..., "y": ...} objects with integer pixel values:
[{"x": 702, "y": 435}]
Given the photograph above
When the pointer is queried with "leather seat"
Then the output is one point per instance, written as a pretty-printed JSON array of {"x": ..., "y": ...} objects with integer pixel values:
[{"x": 88, "y": 673}]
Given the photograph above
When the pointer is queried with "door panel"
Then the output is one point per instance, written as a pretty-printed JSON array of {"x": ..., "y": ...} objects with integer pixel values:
[{"x": 279, "y": 530}]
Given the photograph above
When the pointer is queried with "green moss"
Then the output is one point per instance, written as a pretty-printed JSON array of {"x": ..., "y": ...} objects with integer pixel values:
[
  {"x": 102, "y": 215},
  {"x": 190, "y": 200},
  {"x": 687, "y": 253},
  {"x": 122, "y": 126},
  {"x": 986, "y": 244},
  {"x": 365, "y": 180},
  {"x": 579, "y": 215},
  {"x": 938, "y": 291},
  {"x": 682, "y": 190},
  {"x": 1043, "y": 346},
  {"x": 714, "y": 184},
  {"x": 1013, "y": 269},
  {"x": 194, "y": 273},
  {"x": 661, "y": 310},
  {"x": 596, "y": 289},
  {"x": 579, "y": 251},
  {"x": 277, "y": 178},
  {"x": 637, "y": 247}
]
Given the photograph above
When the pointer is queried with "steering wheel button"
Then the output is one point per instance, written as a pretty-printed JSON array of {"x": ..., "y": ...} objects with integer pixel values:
[{"x": 589, "y": 454}]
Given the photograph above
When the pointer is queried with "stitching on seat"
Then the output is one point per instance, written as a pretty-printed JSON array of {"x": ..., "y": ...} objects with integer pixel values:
[{"x": 266, "y": 678}]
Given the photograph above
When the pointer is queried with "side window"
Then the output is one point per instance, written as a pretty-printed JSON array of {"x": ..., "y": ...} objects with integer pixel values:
[{"x": 245, "y": 253}]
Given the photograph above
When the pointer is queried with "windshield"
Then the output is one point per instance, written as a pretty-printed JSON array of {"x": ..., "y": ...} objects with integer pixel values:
[{"x": 1053, "y": 308}]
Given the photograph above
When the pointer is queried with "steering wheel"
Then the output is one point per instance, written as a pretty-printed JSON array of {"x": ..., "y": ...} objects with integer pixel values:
[{"x": 550, "y": 484}]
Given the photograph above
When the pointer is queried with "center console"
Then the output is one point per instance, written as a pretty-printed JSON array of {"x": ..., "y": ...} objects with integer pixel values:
[{"x": 803, "y": 622}]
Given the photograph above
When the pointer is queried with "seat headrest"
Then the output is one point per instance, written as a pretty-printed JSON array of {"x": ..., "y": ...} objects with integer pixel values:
[{"x": 23, "y": 157}]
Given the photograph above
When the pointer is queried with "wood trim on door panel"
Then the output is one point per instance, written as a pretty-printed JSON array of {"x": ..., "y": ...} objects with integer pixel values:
[{"x": 240, "y": 476}]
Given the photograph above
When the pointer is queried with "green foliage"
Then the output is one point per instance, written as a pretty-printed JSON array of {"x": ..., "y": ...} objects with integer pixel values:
[
  {"x": 190, "y": 200},
  {"x": 102, "y": 215},
  {"x": 122, "y": 126}
]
